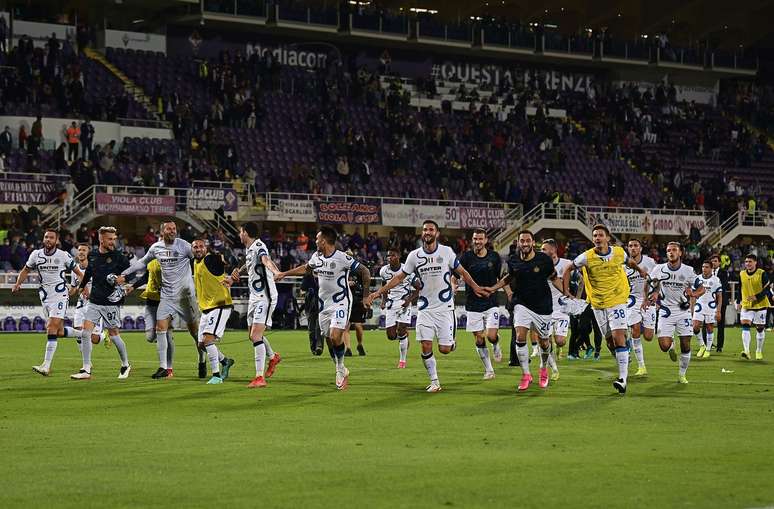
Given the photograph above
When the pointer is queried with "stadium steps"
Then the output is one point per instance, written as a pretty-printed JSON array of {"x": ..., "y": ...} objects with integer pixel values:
[{"x": 135, "y": 90}]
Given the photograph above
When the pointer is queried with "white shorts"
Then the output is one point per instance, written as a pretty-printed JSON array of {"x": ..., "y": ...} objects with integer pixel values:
[
  {"x": 670, "y": 322},
  {"x": 610, "y": 319},
  {"x": 756, "y": 317},
  {"x": 110, "y": 316},
  {"x": 703, "y": 314},
  {"x": 397, "y": 314},
  {"x": 525, "y": 317},
  {"x": 635, "y": 314},
  {"x": 55, "y": 307},
  {"x": 182, "y": 308},
  {"x": 214, "y": 322},
  {"x": 440, "y": 324},
  {"x": 560, "y": 323},
  {"x": 334, "y": 317},
  {"x": 477, "y": 321},
  {"x": 260, "y": 311},
  {"x": 80, "y": 316}
]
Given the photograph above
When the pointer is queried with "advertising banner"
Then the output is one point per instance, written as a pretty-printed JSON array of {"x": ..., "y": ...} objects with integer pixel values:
[
  {"x": 213, "y": 199},
  {"x": 27, "y": 192},
  {"x": 301, "y": 211},
  {"x": 135, "y": 204},
  {"x": 413, "y": 215},
  {"x": 649, "y": 224},
  {"x": 40, "y": 33},
  {"x": 477, "y": 217},
  {"x": 341, "y": 212}
]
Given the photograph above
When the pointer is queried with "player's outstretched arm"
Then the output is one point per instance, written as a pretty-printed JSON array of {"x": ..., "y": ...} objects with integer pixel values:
[
  {"x": 502, "y": 283},
  {"x": 298, "y": 271},
  {"x": 139, "y": 264},
  {"x": 269, "y": 264},
  {"x": 481, "y": 292},
  {"x": 19, "y": 280},
  {"x": 392, "y": 283}
]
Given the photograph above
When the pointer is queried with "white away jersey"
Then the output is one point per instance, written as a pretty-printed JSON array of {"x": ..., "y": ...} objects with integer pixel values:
[
  {"x": 559, "y": 266},
  {"x": 636, "y": 281},
  {"x": 400, "y": 293},
  {"x": 332, "y": 274},
  {"x": 76, "y": 281},
  {"x": 712, "y": 287},
  {"x": 674, "y": 283},
  {"x": 175, "y": 260},
  {"x": 434, "y": 271},
  {"x": 51, "y": 269},
  {"x": 259, "y": 278}
]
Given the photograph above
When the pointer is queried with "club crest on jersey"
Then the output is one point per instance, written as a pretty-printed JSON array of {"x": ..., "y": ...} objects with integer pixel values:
[
  {"x": 536, "y": 269},
  {"x": 108, "y": 260},
  {"x": 333, "y": 265}
]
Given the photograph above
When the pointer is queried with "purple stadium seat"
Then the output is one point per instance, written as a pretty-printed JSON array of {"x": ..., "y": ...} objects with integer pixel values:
[
  {"x": 25, "y": 324},
  {"x": 39, "y": 324},
  {"x": 9, "y": 324}
]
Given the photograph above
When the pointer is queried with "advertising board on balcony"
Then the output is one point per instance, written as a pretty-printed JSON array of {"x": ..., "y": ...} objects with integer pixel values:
[{"x": 135, "y": 204}]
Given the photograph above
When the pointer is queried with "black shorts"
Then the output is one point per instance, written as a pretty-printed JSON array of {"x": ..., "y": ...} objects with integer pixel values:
[{"x": 358, "y": 313}]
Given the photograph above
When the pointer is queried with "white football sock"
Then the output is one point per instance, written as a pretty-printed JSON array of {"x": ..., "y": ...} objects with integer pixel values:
[
  {"x": 121, "y": 347},
  {"x": 552, "y": 361},
  {"x": 170, "y": 349},
  {"x": 220, "y": 356},
  {"x": 161, "y": 348},
  {"x": 496, "y": 347},
  {"x": 710, "y": 338},
  {"x": 639, "y": 352},
  {"x": 760, "y": 337},
  {"x": 522, "y": 351},
  {"x": 545, "y": 355},
  {"x": 429, "y": 361},
  {"x": 746, "y": 340},
  {"x": 685, "y": 359},
  {"x": 269, "y": 350},
  {"x": 259, "y": 349},
  {"x": 48, "y": 356},
  {"x": 483, "y": 352},
  {"x": 403, "y": 345},
  {"x": 622, "y": 356},
  {"x": 212, "y": 355},
  {"x": 69, "y": 332},
  {"x": 86, "y": 349}
]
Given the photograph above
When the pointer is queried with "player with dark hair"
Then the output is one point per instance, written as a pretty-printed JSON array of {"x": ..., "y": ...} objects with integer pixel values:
[
  {"x": 261, "y": 277},
  {"x": 332, "y": 268},
  {"x": 706, "y": 311},
  {"x": 673, "y": 286},
  {"x": 483, "y": 313},
  {"x": 51, "y": 264},
  {"x": 434, "y": 264},
  {"x": 755, "y": 286},
  {"x": 397, "y": 304},
  {"x": 641, "y": 319},
  {"x": 607, "y": 290},
  {"x": 529, "y": 273}
]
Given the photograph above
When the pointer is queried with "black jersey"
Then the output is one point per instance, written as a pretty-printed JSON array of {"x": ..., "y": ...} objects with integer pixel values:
[
  {"x": 485, "y": 271},
  {"x": 101, "y": 265},
  {"x": 529, "y": 282}
]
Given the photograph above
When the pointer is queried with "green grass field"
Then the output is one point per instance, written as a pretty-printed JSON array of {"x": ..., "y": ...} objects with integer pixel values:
[{"x": 383, "y": 442}]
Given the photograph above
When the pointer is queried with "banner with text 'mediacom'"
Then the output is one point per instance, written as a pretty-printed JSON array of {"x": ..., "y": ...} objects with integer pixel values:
[{"x": 135, "y": 204}]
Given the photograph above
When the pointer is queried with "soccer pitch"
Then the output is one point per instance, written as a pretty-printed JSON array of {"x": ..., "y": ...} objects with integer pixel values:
[{"x": 383, "y": 442}]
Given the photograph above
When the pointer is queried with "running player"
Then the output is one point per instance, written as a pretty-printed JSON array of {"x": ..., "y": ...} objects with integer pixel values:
[
  {"x": 607, "y": 290},
  {"x": 105, "y": 300},
  {"x": 560, "y": 319},
  {"x": 214, "y": 298},
  {"x": 82, "y": 258},
  {"x": 332, "y": 268},
  {"x": 673, "y": 285},
  {"x": 754, "y": 303},
  {"x": 434, "y": 265},
  {"x": 483, "y": 313},
  {"x": 641, "y": 320},
  {"x": 51, "y": 264},
  {"x": 707, "y": 308},
  {"x": 397, "y": 304},
  {"x": 528, "y": 274},
  {"x": 261, "y": 274},
  {"x": 178, "y": 296}
]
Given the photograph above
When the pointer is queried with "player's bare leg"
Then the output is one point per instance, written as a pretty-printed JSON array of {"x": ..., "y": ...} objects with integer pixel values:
[
  {"x": 534, "y": 341},
  {"x": 399, "y": 332},
  {"x": 54, "y": 328},
  {"x": 494, "y": 337},
  {"x": 483, "y": 353},
  {"x": 359, "y": 335},
  {"x": 545, "y": 359},
  {"x": 193, "y": 330}
]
